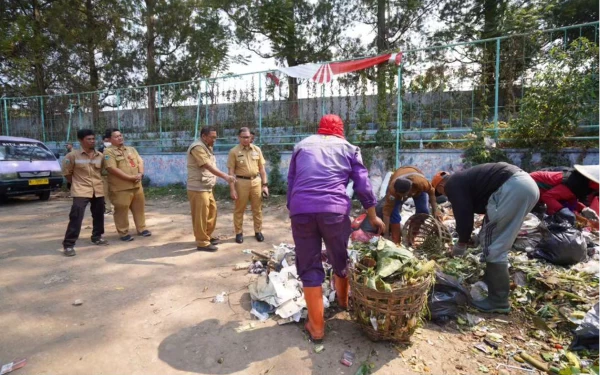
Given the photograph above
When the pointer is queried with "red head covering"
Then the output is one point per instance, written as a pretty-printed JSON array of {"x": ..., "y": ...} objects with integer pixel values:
[{"x": 331, "y": 125}]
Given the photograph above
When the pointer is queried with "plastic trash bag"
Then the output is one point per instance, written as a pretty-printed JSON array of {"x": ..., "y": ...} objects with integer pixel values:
[
  {"x": 587, "y": 334},
  {"x": 561, "y": 243},
  {"x": 446, "y": 297}
]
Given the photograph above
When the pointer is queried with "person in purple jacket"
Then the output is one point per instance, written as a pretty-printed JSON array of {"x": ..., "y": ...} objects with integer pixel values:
[{"x": 320, "y": 168}]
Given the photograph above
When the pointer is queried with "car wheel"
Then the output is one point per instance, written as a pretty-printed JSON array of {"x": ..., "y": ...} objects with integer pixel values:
[{"x": 44, "y": 196}]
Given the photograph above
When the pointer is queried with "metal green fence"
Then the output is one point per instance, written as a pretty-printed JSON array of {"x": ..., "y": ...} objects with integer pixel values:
[{"x": 435, "y": 96}]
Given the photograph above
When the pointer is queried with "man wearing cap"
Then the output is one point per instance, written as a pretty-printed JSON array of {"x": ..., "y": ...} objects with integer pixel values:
[
  {"x": 202, "y": 176},
  {"x": 505, "y": 194},
  {"x": 125, "y": 170},
  {"x": 407, "y": 182},
  {"x": 319, "y": 171},
  {"x": 570, "y": 191},
  {"x": 247, "y": 164}
]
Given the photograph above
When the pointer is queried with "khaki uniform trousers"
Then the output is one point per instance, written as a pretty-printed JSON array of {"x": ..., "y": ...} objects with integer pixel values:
[
  {"x": 125, "y": 200},
  {"x": 248, "y": 190},
  {"x": 204, "y": 215},
  {"x": 108, "y": 207}
]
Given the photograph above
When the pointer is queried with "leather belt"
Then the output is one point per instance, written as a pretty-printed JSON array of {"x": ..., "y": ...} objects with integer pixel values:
[{"x": 247, "y": 178}]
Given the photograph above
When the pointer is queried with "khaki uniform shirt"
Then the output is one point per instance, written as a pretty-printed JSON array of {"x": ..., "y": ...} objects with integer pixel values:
[
  {"x": 419, "y": 185},
  {"x": 127, "y": 159},
  {"x": 198, "y": 156},
  {"x": 85, "y": 172},
  {"x": 245, "y": 161}
]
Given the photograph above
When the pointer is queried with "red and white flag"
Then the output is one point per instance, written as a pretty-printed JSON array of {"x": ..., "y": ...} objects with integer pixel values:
[{"x": 323, "y": 73}]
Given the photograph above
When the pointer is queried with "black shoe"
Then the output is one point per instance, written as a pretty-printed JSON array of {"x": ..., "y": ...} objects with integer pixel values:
[
  {"x": 210, "y": 248},
  {"x": 99, "y": 241},
  {"x": 259, "y": 237},
  {"x": 214, "y": 241},
  {"x": 145, "y": 233},
  {"x": 239, "y": 238},
  {"x": 69, "y": 252},
  {"x": 127, "y": 238}
]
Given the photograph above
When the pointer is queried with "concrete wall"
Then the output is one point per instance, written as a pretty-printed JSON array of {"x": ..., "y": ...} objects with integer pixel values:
[{"x": 164, "y": 169}]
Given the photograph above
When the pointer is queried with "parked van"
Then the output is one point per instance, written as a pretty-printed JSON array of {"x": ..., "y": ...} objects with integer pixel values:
[{"x": 27, "y": 166}]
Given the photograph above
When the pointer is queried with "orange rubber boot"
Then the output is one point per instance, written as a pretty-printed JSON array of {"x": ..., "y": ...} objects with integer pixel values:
[
  {"x": 396, "y": 233},
  {"x": 342, "y": 286},
  {"x": 314, "y": 303}
]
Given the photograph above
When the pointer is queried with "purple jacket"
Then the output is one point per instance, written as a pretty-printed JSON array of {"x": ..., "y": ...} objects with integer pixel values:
[{"x": 319, "y": 172}]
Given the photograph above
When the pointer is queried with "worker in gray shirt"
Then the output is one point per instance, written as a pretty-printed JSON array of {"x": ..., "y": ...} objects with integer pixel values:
[{"x": 505, "y": 194}]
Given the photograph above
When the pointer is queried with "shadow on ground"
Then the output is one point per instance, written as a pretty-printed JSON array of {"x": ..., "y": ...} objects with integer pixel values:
[
  {"x": 144, "y": 254},
  {"x": 212, "y": 348}
]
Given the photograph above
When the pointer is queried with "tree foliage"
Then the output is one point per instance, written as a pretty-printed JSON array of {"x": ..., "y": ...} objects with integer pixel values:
[
  {"x": 57, "y": 46},
  {"x": 562, "y": 95},
  {"x": 295, "y": 31}
]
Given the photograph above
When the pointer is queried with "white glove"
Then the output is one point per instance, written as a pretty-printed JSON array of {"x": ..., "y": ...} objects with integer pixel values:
[{"x": 590, "y": 214}]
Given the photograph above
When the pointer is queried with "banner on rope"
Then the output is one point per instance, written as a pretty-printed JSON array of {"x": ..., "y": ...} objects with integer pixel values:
[{"x": 323, "y": 73}]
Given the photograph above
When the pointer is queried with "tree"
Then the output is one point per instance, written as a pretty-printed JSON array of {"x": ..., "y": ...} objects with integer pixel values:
[
  {"x": 180, "y": 40},
  {"x": 96, "y": 50},
  {"x": 397, "y": 23},
  {"x": 297, "y": 31},
  {"x": 484, "y": 19},
  {"x": 563, "y": 95},
  {"x": 28, "y": 63}
]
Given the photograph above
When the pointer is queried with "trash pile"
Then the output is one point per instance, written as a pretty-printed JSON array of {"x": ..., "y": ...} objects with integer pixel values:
[
  {"x": 278, "y": 290},
  {"x": 554, "y": 268}
]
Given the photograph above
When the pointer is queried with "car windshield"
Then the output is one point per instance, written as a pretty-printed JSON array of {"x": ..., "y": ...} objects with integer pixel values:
[{"x": 24, "y": 151}]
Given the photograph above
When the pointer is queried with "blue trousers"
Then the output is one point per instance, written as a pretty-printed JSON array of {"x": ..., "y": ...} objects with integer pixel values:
[{"x": 421, "y": 205}]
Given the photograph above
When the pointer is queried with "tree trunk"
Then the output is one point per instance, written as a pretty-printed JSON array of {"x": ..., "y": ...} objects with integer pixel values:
[
  {"x": 382, "y": 45},
  {"x": 293, "y": 97},
  {"x": 150, "y": 62},
  {"x": 38, "y": 63},
  {"x": 93, "y": 68},
  {"x": 492, "y": 12}
]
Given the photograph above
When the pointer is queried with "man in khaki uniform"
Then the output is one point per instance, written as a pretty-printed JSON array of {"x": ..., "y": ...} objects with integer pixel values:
[
  {"x": 202, "y": 177},
  {"x": 108, "y": 208},
  {"x": 247, "y": 164},
  {"x": 125, "y": 171},
  {"x": 82, "y": 169}
]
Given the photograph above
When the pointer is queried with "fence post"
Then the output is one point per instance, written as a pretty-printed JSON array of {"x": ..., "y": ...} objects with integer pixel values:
[
  {"x": 43, "y": 119},
  {"x": 198, "y": 111},
  {"x": 70, "y": 121},
  {"x": 260, "y": 109},
  {"x": 322, "y": 99},
  {"x": 6, "y": 116},
  {"x": 496, "y": 88},
  {"x": 206, "y": 104},
  {"x": 79, "y": 111},
  {"x": 119, "y": 109},
  {"x": 399, "y": 117},
  {"x": 160, "y": 116}
]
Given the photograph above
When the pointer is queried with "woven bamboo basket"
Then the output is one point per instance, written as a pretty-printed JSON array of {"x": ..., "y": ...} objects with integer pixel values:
[
  {"x": 397, "y": 313},
  {"x": 420, "y": 226}
]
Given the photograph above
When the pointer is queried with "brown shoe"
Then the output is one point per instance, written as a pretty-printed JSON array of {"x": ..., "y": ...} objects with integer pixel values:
[
  {"x": 314, "y": 303},
  {"x": 342, "y": 286}
]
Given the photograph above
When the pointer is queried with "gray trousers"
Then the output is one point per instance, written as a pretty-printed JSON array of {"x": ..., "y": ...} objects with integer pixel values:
[{"x": 505, "y": 212}]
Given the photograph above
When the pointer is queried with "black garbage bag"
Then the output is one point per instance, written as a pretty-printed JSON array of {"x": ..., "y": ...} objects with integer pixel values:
[
  {"x": 561, "y": 243},
  {"x": 446, "y": 297},
  {"x": 587, "y": 334}
]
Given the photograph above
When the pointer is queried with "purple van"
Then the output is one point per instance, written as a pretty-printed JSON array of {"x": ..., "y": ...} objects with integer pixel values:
[{"x": 27, "y": 166}]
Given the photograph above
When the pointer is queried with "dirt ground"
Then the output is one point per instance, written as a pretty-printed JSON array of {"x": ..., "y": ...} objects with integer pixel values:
[{"x": 147, "y": 304}]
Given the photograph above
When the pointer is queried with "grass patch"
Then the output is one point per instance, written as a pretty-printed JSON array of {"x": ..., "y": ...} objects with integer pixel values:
[{"x": 178, "y": 192}]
